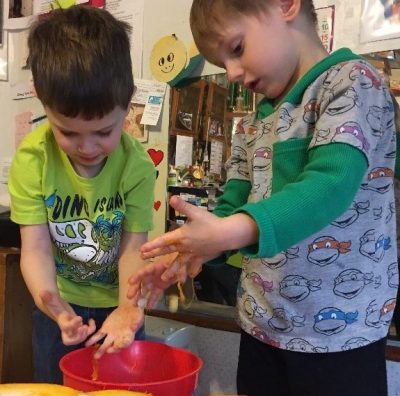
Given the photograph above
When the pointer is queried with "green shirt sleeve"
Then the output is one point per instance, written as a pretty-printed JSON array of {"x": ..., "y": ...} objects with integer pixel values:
[
  {"x": 26, "y": 179},
  {"x": 321, "y": 193},
  {"x": 234, "y": 196}
]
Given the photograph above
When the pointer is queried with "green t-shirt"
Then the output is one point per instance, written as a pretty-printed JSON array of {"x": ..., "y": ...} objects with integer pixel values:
[{"x": 86, "y": 216}]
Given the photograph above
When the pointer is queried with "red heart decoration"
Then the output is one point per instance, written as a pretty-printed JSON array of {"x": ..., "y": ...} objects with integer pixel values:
[
  {"x": 156, "y": 155},
  {"x": 157, "y": 205}
]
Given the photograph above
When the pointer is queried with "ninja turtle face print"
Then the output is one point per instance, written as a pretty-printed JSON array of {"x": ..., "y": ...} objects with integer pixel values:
[{"x": 341, "y": 281}]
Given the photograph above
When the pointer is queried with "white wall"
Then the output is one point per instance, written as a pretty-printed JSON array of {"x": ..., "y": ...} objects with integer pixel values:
[{"x": 9, "y": 108}]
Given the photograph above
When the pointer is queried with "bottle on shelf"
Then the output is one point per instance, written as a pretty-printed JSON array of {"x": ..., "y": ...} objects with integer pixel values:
[
  {"x": 232, "y": 91},
  {"x": 172, "y": 179},
  {"x": 239, "y": 103}
]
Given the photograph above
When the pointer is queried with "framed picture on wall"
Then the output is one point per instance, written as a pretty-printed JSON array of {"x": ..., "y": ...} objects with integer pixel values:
[
  {"x": 380, "y": 20},
  {"x": 186, "y": 107}
]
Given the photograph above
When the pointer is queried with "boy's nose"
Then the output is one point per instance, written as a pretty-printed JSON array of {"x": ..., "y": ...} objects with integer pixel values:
[
  {"x": 234, "y": 71},
  {"x": 86, "y": 146}
]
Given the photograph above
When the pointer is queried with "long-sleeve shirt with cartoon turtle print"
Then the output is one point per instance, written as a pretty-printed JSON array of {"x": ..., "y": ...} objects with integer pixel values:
[{"x": 316, "y": 174}]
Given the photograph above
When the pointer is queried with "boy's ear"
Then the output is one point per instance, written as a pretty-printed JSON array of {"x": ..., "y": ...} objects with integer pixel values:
[{"x": 290, "y": 9}]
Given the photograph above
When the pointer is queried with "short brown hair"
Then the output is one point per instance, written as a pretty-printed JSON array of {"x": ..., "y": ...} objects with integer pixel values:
[
  {"x": 80, "y": 61},
  {"x": 207, "y": 15}
]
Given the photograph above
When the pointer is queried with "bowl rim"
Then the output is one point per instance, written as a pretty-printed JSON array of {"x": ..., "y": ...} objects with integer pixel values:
[{"x": 129, "y": 384}]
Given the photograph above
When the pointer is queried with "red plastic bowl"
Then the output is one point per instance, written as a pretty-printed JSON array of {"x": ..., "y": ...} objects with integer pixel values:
[{"x": 145, "y": 366}]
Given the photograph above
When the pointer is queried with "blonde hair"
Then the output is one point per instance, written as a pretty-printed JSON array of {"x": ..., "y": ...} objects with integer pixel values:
[{"x": 207, "y": 15}]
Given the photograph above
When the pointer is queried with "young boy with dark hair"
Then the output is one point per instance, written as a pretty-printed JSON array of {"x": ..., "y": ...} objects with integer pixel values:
[
  {"x": 81, "y": 189},
  {"x": 309, "y": 202}
]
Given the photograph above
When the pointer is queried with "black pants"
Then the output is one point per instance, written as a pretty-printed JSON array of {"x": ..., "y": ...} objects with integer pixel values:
[
  {"x": 267, "y": 371},
  {"x": 218, "y": 284}
]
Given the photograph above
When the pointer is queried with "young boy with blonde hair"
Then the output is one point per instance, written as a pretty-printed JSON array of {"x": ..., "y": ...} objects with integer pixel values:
[{"x": 309, "y": 202}]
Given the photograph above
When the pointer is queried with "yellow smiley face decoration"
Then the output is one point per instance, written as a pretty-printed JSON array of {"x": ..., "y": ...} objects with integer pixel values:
[{"x": 168, "y": 58}]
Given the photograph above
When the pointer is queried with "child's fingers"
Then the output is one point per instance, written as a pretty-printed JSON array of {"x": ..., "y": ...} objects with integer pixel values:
[
  {"x": 91, "y": 327},
  {"x": 138, "y": 277},
  {"x": 168, "y": 243},
  {"x": 181, "y": 274},
  {"x": 149, "y": 252},
  {"x": 134, "y": 289},
  {"x": 195, "y": 268},
  {"x": 95, "y": 338},
  {"x": 158, "y": 243},
  {"x": 101, "y": 350},
  {"x": 104, "y": 347},
  {"x": 153, "y": 298},
  {"x": 70, "y": 325},
  {"x": 122, "y": 341},
  {"x": 134, "y": 280},
  {"x": 133, "y": 293},
  {"x": 185, "y": 208},
  {"x": 170, "y": 272}
]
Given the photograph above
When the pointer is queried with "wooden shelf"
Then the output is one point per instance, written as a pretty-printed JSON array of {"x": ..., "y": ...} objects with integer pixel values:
[
  {"x": 232, "y": 114},
  {"x": 15, "y": 321}
]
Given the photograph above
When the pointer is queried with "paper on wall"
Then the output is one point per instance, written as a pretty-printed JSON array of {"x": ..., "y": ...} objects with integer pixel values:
[
  {"x": 145, "y": 87},
  {"x": 4, "y": 57},
  {"x": 217, "y": 149},
  {"x": 21, "y": 16},
  {"x": 131, "y": 11},
  {"x": 22, "y": 90},
  {"x": 17, "y": 17},
  {"x": 326, "y": 17},
  {"x": 22, "y": 126},
  {"x": 5, "y": 166},
  {"x": 152, "y": 108},
  {"x": 184, "y": 150}
]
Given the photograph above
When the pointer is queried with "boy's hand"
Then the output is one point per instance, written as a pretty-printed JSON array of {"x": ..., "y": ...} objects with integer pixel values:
[
  {"x": 73, "y": 331},
  {"x": 118, "y": 330},
  {"x": 199, "y": 240},
  {"x": 202, "y": 238},
  {"x": 199, "y": 236},
  {"x": 149, "y": 283}
]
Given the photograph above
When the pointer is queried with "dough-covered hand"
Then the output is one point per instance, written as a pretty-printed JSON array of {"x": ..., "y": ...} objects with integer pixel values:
[
  {"x": 73, "y": 330},
  {"x": 118, "y": 329},
  {"x": 198, "y": 236},
  {"x": 199, "y": 239},
  {"x": 148, "y": 284}
]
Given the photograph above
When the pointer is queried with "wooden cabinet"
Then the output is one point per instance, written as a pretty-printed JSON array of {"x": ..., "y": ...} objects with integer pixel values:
[
  {"x": 214, "y": 113},
  {"x": 198, "y": 110},
  {"x": 15, "y": 321},
  {"x": 186, "y": 107}
]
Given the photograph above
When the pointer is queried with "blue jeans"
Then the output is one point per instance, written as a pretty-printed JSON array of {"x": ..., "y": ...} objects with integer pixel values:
[{"x": 48, "y": 347}]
